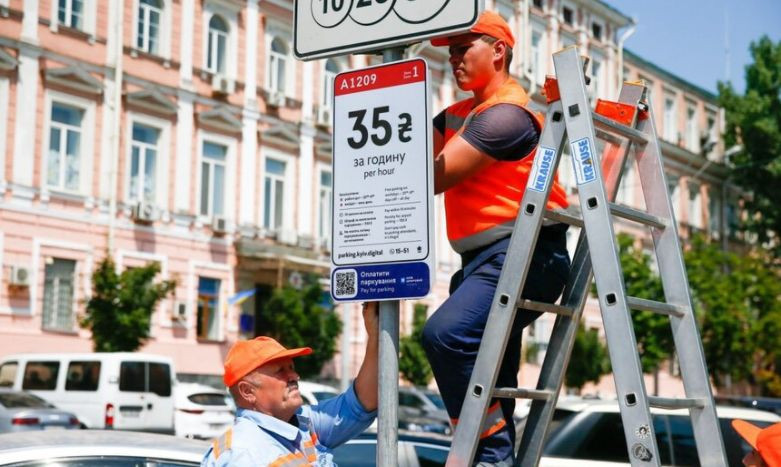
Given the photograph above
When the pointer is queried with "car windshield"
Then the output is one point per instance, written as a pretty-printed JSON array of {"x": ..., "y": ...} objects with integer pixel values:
[
  {"x": 15, "y": 400},
  {"x": 436, "y": 399}
]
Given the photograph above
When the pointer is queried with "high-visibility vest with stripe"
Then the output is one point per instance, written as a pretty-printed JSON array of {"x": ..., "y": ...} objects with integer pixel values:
[{"x": 483, "y": 208}]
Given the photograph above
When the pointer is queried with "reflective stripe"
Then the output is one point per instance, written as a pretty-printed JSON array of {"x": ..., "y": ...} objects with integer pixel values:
[
  {"x": 494, "y": 421},
  {"x": 290, "y": 460},
  {"x": 309, "y": 450},
  {"x": 223, "y": 443}
]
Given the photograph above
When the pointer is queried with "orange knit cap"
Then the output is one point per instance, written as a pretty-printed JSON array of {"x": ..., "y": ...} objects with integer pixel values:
[
  {"x": 245, "y": 356},
  {"x": 490, "y": 24}
]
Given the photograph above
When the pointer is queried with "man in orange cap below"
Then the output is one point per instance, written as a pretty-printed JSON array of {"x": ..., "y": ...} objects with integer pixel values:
[
  {"x": 765, "y": 443},
  {"x": 484, "y": 148},
  {"x": 273, "y": 426}
]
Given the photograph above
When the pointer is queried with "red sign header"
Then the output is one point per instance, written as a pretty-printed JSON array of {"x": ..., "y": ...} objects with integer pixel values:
[{"x": 384, "y": 76}]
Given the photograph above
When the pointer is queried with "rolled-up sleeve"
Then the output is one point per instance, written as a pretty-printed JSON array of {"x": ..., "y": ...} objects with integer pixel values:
[{"x": 337, "y": 420}]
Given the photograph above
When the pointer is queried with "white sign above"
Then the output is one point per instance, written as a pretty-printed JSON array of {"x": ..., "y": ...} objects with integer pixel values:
[{"x": 324, "y": 28}]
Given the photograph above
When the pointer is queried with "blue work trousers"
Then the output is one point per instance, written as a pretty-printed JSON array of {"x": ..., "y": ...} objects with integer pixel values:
[{"x": 452, "y": 335}]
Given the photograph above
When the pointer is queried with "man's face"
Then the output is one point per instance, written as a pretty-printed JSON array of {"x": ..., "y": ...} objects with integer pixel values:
[
  {"x": 472, "y": 60},
  {"x": 276, "y": 389}
]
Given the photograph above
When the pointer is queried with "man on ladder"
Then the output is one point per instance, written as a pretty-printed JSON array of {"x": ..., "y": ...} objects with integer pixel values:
[{"x": 484, "y": 150}]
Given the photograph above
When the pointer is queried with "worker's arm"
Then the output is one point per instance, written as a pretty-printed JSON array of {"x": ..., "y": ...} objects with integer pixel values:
[
  {"x": 368, "y": 375},
  {"x": 457, "y": 161},
  {"x": 505, "y": 132}
]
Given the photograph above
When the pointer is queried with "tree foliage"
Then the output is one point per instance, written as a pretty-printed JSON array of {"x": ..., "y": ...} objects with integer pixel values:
[
  {"x": 590, "y": 359},
  {"x": 738, "y": 304},
  {"x": 296, "y": 318},
  {"x": 120, "y": 309},
  {"x": 413, "y": 364},
  {"x": 753, "y": 120}
]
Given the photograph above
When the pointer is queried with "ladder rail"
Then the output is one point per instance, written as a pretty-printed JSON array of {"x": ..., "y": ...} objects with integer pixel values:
[
  {"x": 672, "y": 271},
  {"x": 562, "y": 338},
  {"x": 619, "y": 331}
]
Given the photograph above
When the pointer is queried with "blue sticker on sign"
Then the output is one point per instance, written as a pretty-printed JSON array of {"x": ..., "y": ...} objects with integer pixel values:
[
  {"x": 542, "y": 169},
  {"x": 583, "y": 160},
  {"x": 380, "y": 282}
]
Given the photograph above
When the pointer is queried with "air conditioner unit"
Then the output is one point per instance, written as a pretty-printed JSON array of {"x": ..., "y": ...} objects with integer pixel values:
[
  {"x": 179, "y": 313},
  {"x": 223, "y": 85},
  {"x": 143, "y": 212},
  {"x": 276, "y": 99},
  {"x": 20, "y": 276},
  {"x": 219, "y": 225},
  {"x": 324, "y": 116},
  {"x": 288, "y": 237}
]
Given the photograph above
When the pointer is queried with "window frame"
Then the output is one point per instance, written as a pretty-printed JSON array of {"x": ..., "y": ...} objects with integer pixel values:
[
  {"x": 56, "y": 308},
  {"x": 164, "y": 30},
  {"x": 212, "y": 188},
  {"x": 162, "y": 157},
  {"x": 212, "y": 47},
  {"x": 89, "y": 18},
  {"x": 86, "y": 155},
  {"x": 289, "y": 185},
  {"x": 538, "y": 61},
  {"x": 216, "y": 334},
  {"x": 276, "y": 30},
  {"x": 229, "y": 13},
  {"x": 692, "y": 140},
  {"x": 229, "y": 190},
  {"x": 324, "y": 220},
  {"x": 670, "y": 118}
]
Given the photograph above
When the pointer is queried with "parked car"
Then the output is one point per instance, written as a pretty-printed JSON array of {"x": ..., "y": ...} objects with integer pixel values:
[
  {"x": 421, "y": 409},
  {"x": 770, "y": 404},
  {"x": 128, "y": 391},
  {"x": 415, "y": 450},
  {"x": 202, "y": 412},
  {"x": 589, "y": 431},
  {"x": 99, "y": 448},
  {"x": 312, "y": 393},
  {"x": 21, "y": 411}
]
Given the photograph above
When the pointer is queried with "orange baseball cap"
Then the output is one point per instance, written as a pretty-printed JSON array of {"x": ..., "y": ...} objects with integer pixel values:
[
  {"x": 490, "y": 24},
  {"x": 245, "y": 356},
  {"x": 766, "y": 441}
]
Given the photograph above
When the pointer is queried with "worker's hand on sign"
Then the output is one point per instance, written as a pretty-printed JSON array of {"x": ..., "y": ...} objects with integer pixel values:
[{"x": 371, "y": 318}]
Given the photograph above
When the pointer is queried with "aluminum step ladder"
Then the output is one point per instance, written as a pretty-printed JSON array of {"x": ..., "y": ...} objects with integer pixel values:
[{"x": 570, "y": 120}]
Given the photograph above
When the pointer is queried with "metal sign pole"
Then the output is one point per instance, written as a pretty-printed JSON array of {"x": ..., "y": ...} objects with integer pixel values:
[{"x": 388, "y": 434}]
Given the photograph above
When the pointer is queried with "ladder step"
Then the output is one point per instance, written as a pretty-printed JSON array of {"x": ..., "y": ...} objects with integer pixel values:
[
  {"x": 545, "y": 307},
  {"x": 635, "y": 215},
  {"x": 657, "y": 307},
  {"x": 565, "y": 217},
  {"x": 610, "y": 126},
  {"x": 523, "y": 393},
  {"x": 673, "y": 403}
]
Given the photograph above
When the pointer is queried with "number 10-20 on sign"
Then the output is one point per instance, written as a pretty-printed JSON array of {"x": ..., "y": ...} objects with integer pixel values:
[{"x": 382, "y": 202}]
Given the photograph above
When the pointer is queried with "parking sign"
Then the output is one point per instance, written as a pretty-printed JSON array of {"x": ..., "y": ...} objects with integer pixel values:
[{"x": 383, "y": 183}]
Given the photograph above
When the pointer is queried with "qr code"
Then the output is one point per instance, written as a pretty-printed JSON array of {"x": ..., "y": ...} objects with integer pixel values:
[{"x": 346, "y": 286}]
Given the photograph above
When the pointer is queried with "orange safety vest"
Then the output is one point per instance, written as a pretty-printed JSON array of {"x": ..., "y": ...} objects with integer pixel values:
[{"x": 482, "y": 209}]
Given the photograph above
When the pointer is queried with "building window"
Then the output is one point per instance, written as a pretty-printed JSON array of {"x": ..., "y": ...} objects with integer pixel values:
[
  {"x": 64, "y": 161},
  {"x": 218, "y": 44},
  {"x": 733, "y": 219},
  {"x": 692, "y": 135},
  {"x": 274, "y": 194},
  {"x": 143, "y": 163},
  {"x": 711, "y": 137},
  {"x": 597, "y": 75},
  {"x": 568, "y": 16},
  {"x": 70, "y": 13},
  {"x": 208, "y": 308},
  {"x": 58, "y": 295},
  {"x": 277, "y": 61},
  {"x": 537, "y": 4},
  {"x": 695, "y": 206},
  {"x": 714, "y": 212},
  {"x": 537, "y": 65},
  {"x": 326, "y": 184},
  {"x": 148, "y": 27},
  {"x": 596, "y": 31},
  {"x": 670, "y": 128},
  {"x": 213, "y": 179},
  {"x": 329, "y": 75},
  {"x": 672, "y": 188}
]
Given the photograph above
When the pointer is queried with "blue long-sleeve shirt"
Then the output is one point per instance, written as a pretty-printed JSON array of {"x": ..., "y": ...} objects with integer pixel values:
[{"x": 257, "y": 439}]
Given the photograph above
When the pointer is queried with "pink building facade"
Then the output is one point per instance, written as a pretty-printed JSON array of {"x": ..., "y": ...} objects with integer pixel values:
[{"x": 185, "y": 132}]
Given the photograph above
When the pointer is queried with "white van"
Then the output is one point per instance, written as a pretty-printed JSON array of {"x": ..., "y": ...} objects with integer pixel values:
[{"x": 125, "y": 391}]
